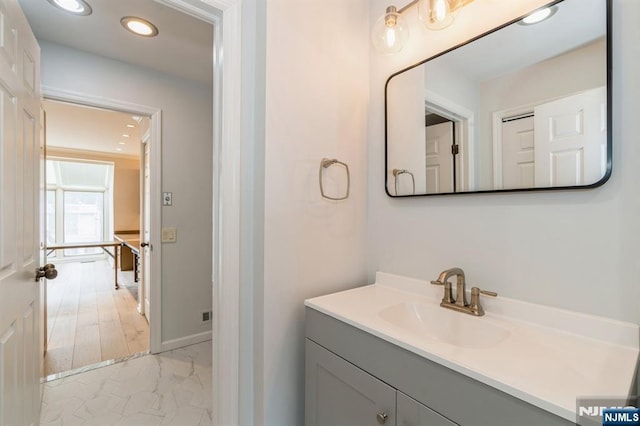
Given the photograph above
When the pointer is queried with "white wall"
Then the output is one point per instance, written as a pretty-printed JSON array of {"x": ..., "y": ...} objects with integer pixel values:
[
  {"x": 406, "y": 129},
  {"x": 186, "y": 168},
  {"x": 577, "y": 250},
  {"x": 316, "y": 106}
]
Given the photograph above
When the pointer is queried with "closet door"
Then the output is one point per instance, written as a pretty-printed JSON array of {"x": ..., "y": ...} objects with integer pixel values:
[
  {"x": 518, "y": 153},
  {"x": 571, "y": 139}
]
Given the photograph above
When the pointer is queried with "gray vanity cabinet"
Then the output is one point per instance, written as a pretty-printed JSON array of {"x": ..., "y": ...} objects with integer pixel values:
[
  {"x": 339, "y": 393},
  {"x": 411, "y": 413},
  {"x": 353, "y": 376}
]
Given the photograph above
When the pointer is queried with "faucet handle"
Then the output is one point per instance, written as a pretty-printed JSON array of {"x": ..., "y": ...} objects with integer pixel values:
[
  {"x": 475, "y": 291},
  {"x": 475, "y": 306},
  {"x": 487, "y": 292},
  {"x": 436, "y": 282}
]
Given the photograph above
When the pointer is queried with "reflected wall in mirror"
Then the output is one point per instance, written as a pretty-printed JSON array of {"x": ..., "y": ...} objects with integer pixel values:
[{"x": 523, "y": 107}]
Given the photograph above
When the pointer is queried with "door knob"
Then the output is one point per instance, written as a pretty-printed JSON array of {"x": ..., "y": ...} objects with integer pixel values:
[
  {"x": 47, "y": 271},
  {"x": 382, "y": 418},
  {"x": 144, "y": 245}
]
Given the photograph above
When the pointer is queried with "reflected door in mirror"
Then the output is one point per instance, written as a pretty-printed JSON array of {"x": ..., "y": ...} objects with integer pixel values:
[{"x": 526, "y": 105}]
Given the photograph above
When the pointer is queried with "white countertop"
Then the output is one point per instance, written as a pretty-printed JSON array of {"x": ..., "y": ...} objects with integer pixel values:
[{"x": 550, "y": 357}]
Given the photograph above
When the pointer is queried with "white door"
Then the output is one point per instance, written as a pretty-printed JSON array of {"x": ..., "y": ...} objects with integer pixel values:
[
  {"x": 571, "y": 139},
  {"x": 518, "y": 153},
  {"x": 439, "y": 160},
  {"x": 20, "y": 344},
  {"x": 145, "y": 254}
]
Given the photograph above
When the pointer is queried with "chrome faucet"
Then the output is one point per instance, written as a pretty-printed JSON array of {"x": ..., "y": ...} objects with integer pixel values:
[{"x": 459, "y": 303}]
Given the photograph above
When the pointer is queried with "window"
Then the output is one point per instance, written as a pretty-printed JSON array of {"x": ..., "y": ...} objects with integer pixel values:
[
  {"x": 83, "y": 220},
  {"x": 79, "y": 204}
]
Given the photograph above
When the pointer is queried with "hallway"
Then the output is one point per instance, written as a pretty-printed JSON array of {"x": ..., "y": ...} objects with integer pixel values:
[
  {"x": 88, "y": 321},
  {"x": 172, "y": 388}
]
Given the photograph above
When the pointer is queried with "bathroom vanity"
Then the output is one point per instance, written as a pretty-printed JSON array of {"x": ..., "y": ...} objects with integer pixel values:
[{"x": 389, "y": 354}]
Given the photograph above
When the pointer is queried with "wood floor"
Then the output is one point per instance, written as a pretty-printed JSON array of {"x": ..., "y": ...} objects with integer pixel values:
[{"x": 89, "y": 321}]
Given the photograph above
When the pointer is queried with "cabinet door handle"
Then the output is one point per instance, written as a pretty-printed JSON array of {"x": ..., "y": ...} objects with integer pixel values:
[{"x": 382, "y": 418}]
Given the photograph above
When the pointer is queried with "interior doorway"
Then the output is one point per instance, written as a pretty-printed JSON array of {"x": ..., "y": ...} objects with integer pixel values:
[
  {"x": 455, "y": 123},
  {"x": 94, "y": 178},
  {"x": 440, "y": 154}
]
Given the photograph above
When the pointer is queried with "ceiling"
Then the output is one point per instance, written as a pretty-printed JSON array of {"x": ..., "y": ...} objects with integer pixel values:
[
  {"x": 183, "y": 48},
  {"x": 182, "y": 40},
  {"x": 576, "y": 23},
  {"x": 78, "y": 127}
]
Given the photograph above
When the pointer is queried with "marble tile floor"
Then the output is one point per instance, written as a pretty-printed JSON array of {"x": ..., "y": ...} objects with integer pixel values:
[{"x": 172, "y": 388}]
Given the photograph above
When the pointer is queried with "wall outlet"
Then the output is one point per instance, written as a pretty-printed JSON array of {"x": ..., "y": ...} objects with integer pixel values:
[
  {"x": 169, "y": 235},
  {"x": 206, "y": 316},
  {"x": 167, "y": 199}
]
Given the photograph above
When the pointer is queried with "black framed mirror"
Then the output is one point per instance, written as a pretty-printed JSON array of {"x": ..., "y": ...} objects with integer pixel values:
[{"x": 524, "y": 107}]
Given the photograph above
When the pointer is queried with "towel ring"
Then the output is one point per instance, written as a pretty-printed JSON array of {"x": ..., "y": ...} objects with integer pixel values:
[
  {"x": 398, "y": 172},
  {"x": 326, "y": 163}
]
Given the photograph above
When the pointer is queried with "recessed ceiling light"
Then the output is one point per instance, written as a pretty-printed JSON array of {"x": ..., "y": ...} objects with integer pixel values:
[
  {"x": 77, "y": 7},
  {"x": 119, "y": 149},
  {"x": 131, "y": 126},
  {"x": 124, "y": 135},
  {"x": 139, "y": 26},
  {"x": 121, "y": 143},
  {"x": 539, "y": 16}
]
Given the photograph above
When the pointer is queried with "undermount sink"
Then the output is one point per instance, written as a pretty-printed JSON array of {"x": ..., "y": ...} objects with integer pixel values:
[{"x": 453, "y": 328}]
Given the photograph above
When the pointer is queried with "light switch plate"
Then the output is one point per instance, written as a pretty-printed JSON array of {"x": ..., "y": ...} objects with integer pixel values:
[
  {"x": 167, "y": 199},
  {"x": 169, "y": 235}
]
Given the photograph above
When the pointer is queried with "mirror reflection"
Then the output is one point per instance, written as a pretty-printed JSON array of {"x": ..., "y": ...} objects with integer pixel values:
[{"x": 524, "y": 107}]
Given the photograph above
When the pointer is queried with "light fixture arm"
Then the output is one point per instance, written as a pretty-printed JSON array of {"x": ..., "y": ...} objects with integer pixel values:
[
  {"x": 402, "y": 9},
  {"x": 454, "y": 5}
]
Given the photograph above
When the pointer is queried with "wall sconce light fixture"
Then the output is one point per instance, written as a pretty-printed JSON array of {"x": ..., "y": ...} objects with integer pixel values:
[{"x": 390, "y": 32}]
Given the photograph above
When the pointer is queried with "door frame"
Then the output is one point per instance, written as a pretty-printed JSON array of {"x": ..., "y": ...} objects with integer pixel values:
[
  {"x": 235, "y": 55},
  {"x": 155, "y": 127},
  {"x": 464, "y": 122}
]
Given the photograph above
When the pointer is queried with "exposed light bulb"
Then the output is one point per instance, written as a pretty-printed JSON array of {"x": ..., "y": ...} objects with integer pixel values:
[
  {"x": 390, "y": 37},
  {"x": 390, "y": 32},
  {"x": 435, "y": 14},
  {"x": 439, "y": 11}
]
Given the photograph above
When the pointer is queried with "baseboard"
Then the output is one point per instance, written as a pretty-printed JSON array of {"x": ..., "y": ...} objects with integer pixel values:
[{"x": 170, "y": 345}]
